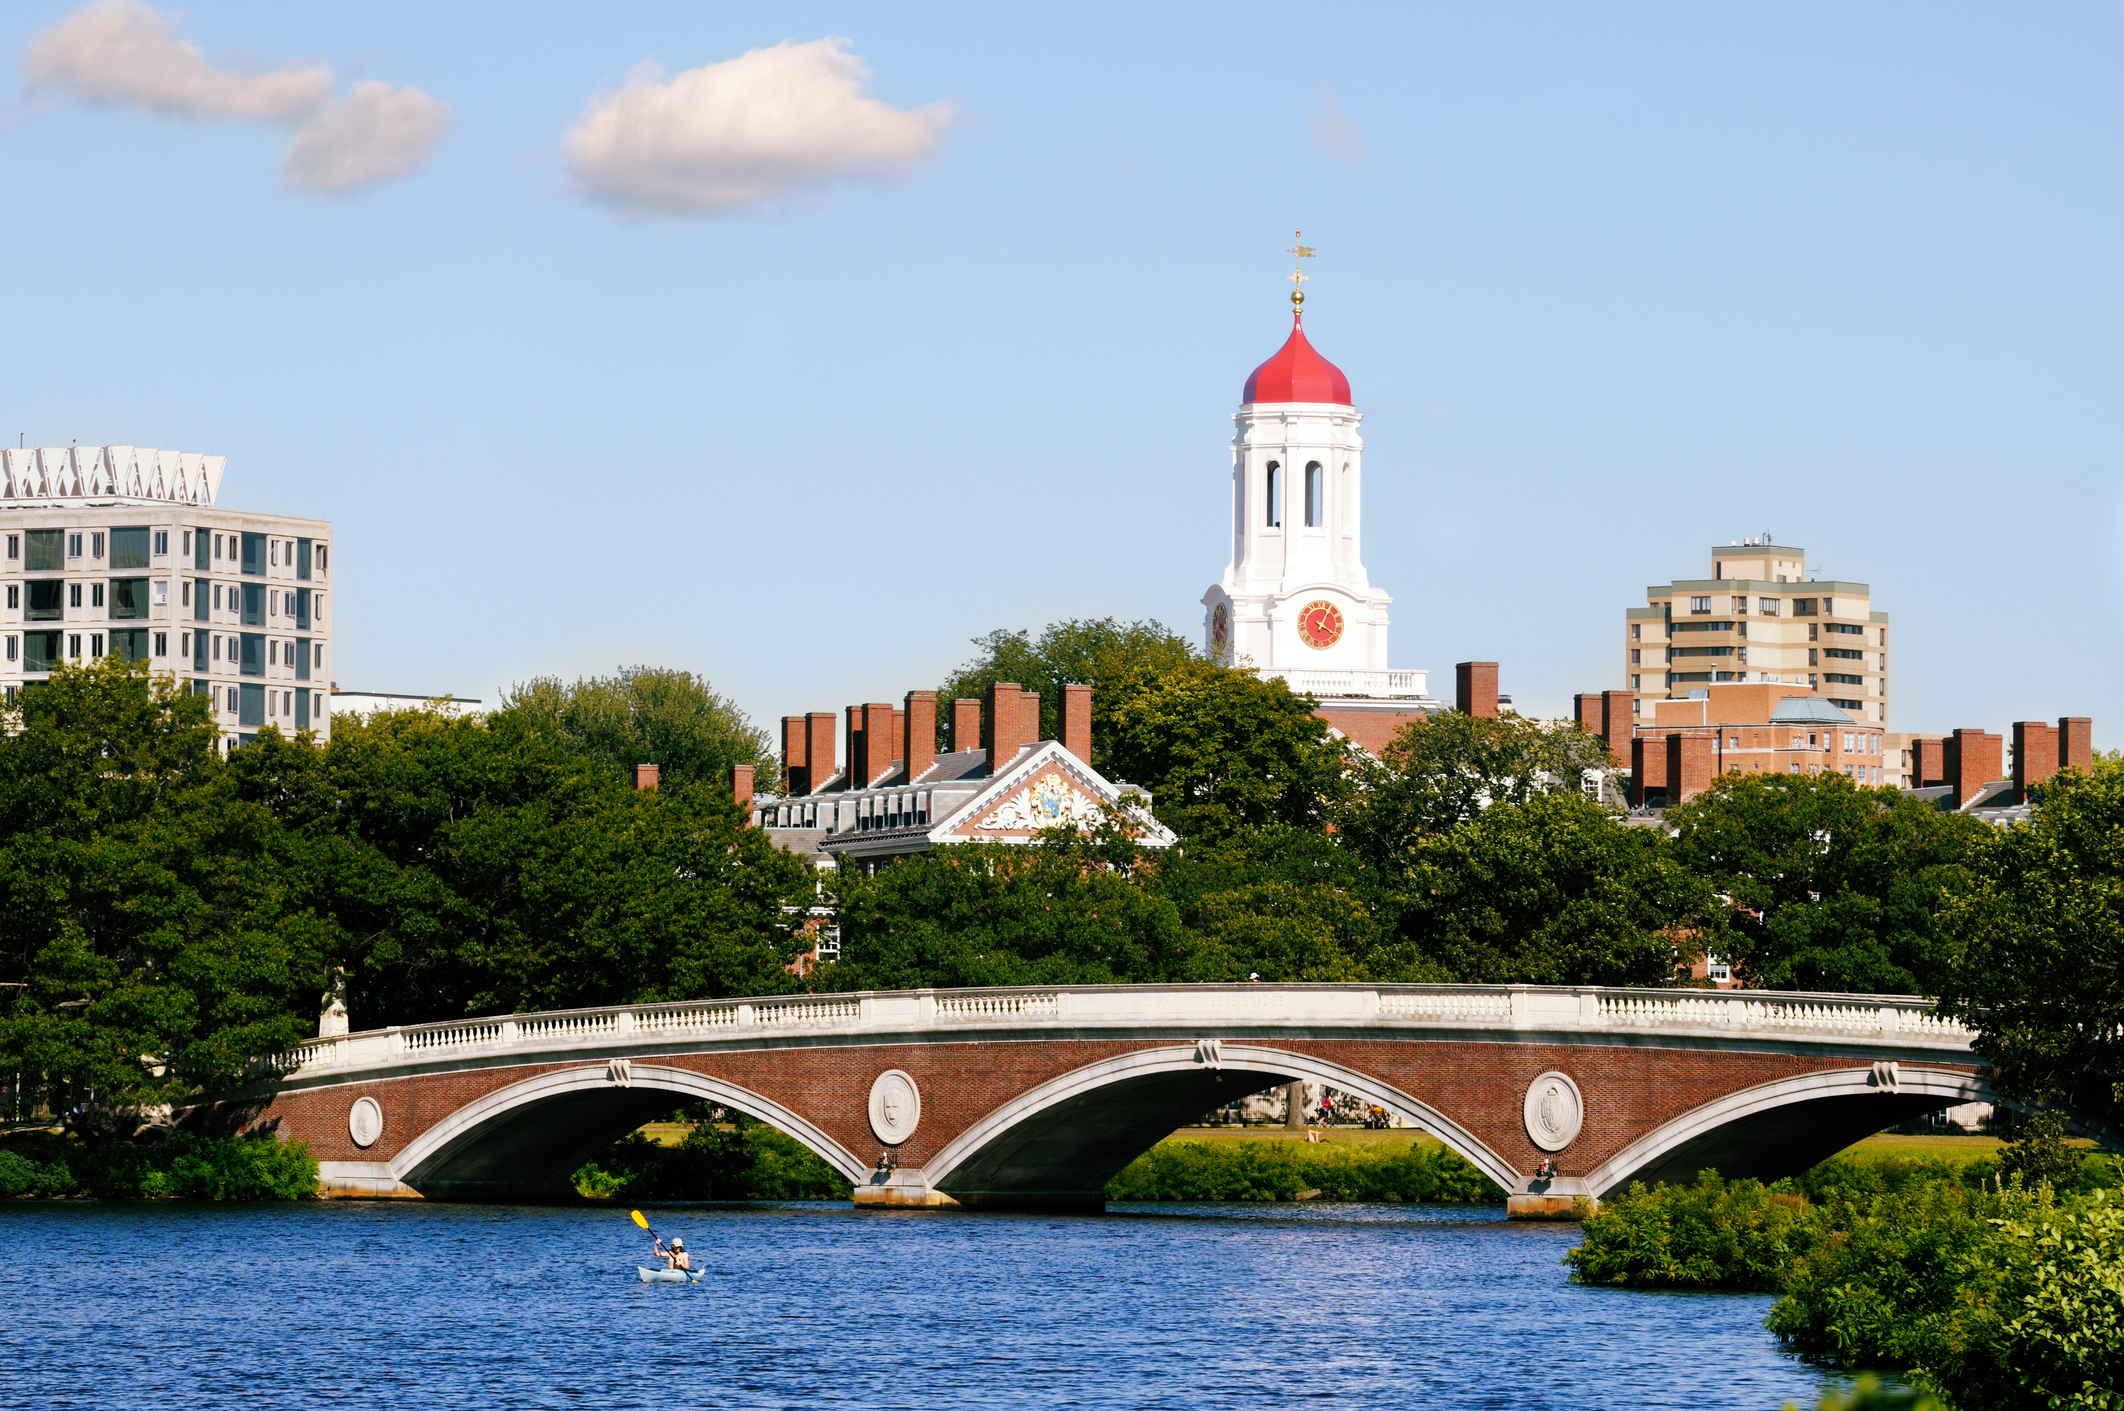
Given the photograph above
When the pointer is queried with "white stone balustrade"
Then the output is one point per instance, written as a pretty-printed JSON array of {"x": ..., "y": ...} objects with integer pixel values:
[{"x": 1522, "y": 1012}]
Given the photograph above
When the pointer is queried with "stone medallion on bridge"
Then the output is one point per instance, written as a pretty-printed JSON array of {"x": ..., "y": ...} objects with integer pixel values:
[
  {"x": 365, "y": 1122},
  {"x": 1554, "y": 1111},
  {"x": 895, "y": 1107}
]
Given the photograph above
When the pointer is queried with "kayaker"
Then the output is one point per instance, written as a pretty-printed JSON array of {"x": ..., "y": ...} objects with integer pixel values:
[{"x": 676, "y": 1256}]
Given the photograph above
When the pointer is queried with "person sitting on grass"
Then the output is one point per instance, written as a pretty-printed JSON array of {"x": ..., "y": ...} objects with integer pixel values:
[{"x": 674, "y": 1257}]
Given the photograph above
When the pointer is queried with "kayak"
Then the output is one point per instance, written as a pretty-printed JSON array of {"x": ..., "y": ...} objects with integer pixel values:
[{"x": 668, "y": 1276}]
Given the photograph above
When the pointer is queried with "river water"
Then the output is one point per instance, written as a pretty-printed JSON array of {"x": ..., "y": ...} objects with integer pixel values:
[{"x": 387, "y": 1306}]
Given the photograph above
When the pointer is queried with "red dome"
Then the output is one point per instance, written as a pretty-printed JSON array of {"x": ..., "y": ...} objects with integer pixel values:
[{"x": 1298, "y": 374}]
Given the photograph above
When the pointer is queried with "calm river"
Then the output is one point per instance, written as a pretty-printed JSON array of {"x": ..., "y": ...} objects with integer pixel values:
[{"x": 385, "y": 1306}]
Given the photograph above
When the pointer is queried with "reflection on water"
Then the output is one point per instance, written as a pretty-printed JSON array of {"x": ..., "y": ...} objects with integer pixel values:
[{"x": 394, "y": 1305}]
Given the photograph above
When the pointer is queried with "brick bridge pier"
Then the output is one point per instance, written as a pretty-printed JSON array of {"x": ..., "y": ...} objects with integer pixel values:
[{"x": 1035, "y": 1098}]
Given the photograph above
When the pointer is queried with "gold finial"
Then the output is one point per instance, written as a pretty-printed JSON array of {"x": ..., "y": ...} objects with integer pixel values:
[{"x": 1298, "y": 251}]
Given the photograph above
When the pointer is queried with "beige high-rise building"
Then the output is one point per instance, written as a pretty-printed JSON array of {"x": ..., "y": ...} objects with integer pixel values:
[{"x": 1759, "y": 619}]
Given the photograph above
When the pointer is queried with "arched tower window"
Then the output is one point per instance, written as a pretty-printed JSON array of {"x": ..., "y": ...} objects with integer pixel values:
[
  {"x": 1315, "y": 495},
  {"x": 1275, "y": 500}
]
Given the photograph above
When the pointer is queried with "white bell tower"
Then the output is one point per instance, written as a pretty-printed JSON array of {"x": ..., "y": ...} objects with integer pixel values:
[{"x": 1295, "y": 595}]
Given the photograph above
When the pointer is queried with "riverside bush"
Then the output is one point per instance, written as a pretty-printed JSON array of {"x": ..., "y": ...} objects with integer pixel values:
[
  {"x": 750, "y": 1161},
  {"x": 1715, "y": 1234},
  {"x": 170, "y": 1165},
  {"x": 1285, "y": 1170}
]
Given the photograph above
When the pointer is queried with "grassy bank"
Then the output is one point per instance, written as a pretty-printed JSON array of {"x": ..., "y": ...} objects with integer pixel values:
[
  {"x": 168, "y": 1165},
  {"x": 744, "y": 1160},
  {"x": 1397, "y": 1170}
]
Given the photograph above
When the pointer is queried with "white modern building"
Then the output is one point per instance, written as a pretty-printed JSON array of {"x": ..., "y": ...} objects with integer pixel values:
[{"x": 120, "y": 551}]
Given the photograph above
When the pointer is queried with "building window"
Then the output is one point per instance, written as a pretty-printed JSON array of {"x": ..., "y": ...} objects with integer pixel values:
[
  {"x": 273, "y": 553},
  {"x": 129, "y": 597},
  {"x": 254, "y": 604},
  {"x": 217, "y": 597},
  {"x": 1275, "y": 488},
  {"x": 323, "y": 558},
  {"x": 302, "y": 559},
  {"x": 1315, "y": 495},
  {"x": 14, "y": 595},
  {"x": 40, "y": 651},
  {"x": 1637, "y": 683},
  {"x": 73, "y": 546},
  {"x": 319, "y": 652},
  {"x": 302, "y": 710},
  {"x": 1637, "y": 631},
  {"x": 73, "y": 645},
  {"x": 162, "y": 644},
  {"x": 1767, "y": 606},
  {"x": 253, "y": 661},
  {"x": 217, "y": 646},
  {"x": 46, "y": 551},
  {"x": 46, "y": 600},
  {"x": 199, "y": 551},
  {"x": 198, "y": 598},
  {"x": 1702, "y": 605},
  {"x": 1803, "y": 607},
  {"x": 302, "y": 659},
  {"x": 254, "y": 553},
  {"x": 11, "y": 648},
  {"x": 129, "y": 547},
  {"x": 73, "y": 595},
  {"x": 273, "y": 652},
  {"x": 162, "y": 543},
  {"x": 1842, "y": 679},
  {"x": 14, "y": 546},
  {"x": 1842, "y": 704},
  {"x": 1637, "y": 657},
  {"x": 130, "y": 644},
  {"x": 197, "y": 642},
  {"x": 96, "y": 545},
  {"x": 302, "y": 609},
  {"x": 1740, "y": 604}
]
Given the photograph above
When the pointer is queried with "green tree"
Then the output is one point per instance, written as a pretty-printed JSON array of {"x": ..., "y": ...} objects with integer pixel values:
[
  {"x": 1832, "y": 886},
  {"x": 1440, "y": 772},
  {"x": 1222, "y": 750},
  {"x": 2040, "y": 966},
  {"x": 648, "y": 715},
  {"x": 147, "y": 904},
  {"x": 1553, "y": 891},
  {"x": 1095, "y": 652},
  {"x": 1284, "y": 903}
]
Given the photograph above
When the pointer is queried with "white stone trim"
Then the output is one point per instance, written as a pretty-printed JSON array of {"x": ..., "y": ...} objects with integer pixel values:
[
  {"x": 433, "y": 1142},
  {"x": 1279, "y": 1063},
  {"x": 1618, "y": 1169}
]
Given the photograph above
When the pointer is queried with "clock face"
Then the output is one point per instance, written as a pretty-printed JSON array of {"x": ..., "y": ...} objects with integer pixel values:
[{"x": 1320, "y": 624}]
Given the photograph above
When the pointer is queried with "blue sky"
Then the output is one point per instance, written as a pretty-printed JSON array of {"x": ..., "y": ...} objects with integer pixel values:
[{"x": 1612, "y": 283}]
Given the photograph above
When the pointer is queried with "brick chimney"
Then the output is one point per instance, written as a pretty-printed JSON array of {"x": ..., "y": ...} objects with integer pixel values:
[
  {"x": 1475, "y": 688},
  {"x": 858, "y": 759},
  {"x": 1076, "y": 721},
  {"x": 1028, "y": 717},
  {"x": 1586, "y": 713},
  {"x": 1928, "y": 763},
  {"x": 2035, "y": 756},
  {"x": 2076, "y": 743},
  {"x": 1691, "y": 765},
  {"x": 1001, "y": 730},
  {"x": 796, "y": 776},
  {"x": 1974, "y": 758},
  {"x": 1618, "y": 722},
  {"x": 965, "y": 725},
  {"x": 741, "y": 785},
  {"x": 1648, "y": 768},
  {"x": 918, "y": 734},
  {"x": 645, "y": 777},
  {"x": 818, "y": 748},
  {"x": 878, "y": 740}
]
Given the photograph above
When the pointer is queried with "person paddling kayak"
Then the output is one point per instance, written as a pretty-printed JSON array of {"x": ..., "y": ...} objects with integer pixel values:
[{"x": 676, "y": 1256}]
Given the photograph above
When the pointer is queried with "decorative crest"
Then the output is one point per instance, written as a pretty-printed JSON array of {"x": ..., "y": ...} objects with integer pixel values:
[{"x": 1299, "y": 251}]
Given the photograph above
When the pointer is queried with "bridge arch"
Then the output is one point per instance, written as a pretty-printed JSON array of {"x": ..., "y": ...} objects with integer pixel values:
[
  {"x": 1779, "y": 1129},
  {"x": 530, "y": 1136},
  {"x": 1071, "y": 1135}
]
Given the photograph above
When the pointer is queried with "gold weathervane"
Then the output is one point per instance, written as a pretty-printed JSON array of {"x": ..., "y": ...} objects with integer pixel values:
[{"x": 1298, "y": 251}]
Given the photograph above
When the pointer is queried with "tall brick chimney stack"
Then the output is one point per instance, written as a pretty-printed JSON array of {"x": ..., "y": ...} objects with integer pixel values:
[
  {"x": 741, "y": 785},
  {"x": 918, "y": 734},
  {"x": 1618, "y": 726},
  {"x": 1974, "y": 758},
  {"x": 1000, "y": 728},
  {"x": 1475, "y": 688},
  {"x": 1928, "y": 763},
  {"x": 1076, "y": 721},
  {"x": 878, "y": 740},
  {"x": 818, "y": 749},
  {"x": 2076, "y": 743},
  {"x": 1028, "y": 717},
  {"x": 645, "y": 777},
  {"x": 2035, "y": 756},
  {"x": 858, "y": 775},
  {"x": 796, "y": 775},
  {"x": 965, "y": 724}
]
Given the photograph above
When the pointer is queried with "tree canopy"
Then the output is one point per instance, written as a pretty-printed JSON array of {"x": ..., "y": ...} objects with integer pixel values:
[
  {"x": 1095, "y": 652},
  {"x": 648, "y": 715}
]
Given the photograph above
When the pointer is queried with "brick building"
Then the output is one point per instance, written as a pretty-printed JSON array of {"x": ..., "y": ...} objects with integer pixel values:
[
  {"x": 1737, "y": 729},
  {"x": 1967, "y": 771},
  {"x": 1758, "y": 621}
]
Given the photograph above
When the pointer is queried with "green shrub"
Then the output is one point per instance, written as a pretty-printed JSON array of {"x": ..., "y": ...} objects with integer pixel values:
[
  {"x": 1715, "y": 1234},
  {"x": 749, "y": 1161},
  {"x": 159, "y": 1165},
  {"x": 1283, "y": 1170}
]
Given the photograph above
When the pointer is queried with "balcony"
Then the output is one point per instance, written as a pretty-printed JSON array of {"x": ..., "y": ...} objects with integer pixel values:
[{"x": 1356, "y": 681}]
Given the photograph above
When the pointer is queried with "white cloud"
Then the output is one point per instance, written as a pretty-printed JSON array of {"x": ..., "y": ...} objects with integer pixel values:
[
  {"x": 768, "y": 123},
  {"x": 1338, "y": 138},
  {"x": 124, "y": 54},
  {"x": 375, "y": 134}
]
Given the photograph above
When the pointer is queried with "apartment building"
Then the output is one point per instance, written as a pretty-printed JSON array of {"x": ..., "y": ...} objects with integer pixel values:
[
  {"x": 1759, "y": 619},
  {"x": 120, "y": 551}
]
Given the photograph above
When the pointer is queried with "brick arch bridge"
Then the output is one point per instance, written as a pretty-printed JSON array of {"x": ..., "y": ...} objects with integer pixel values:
[{"x": 1037, "y": 1097}]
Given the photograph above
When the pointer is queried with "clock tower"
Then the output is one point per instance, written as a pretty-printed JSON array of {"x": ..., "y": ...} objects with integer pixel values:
[{"x": 1295, "y": 599}]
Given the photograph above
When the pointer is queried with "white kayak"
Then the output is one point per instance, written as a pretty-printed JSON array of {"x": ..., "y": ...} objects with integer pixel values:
[{"x": 668, "y": 1276}]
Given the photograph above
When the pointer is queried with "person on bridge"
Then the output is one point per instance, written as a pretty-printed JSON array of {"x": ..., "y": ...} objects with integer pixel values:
[{"x": 676, "y": 1256}]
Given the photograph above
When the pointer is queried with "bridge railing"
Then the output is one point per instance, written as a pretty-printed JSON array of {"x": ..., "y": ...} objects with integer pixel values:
[{"x": 1896, "y": 1018}]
